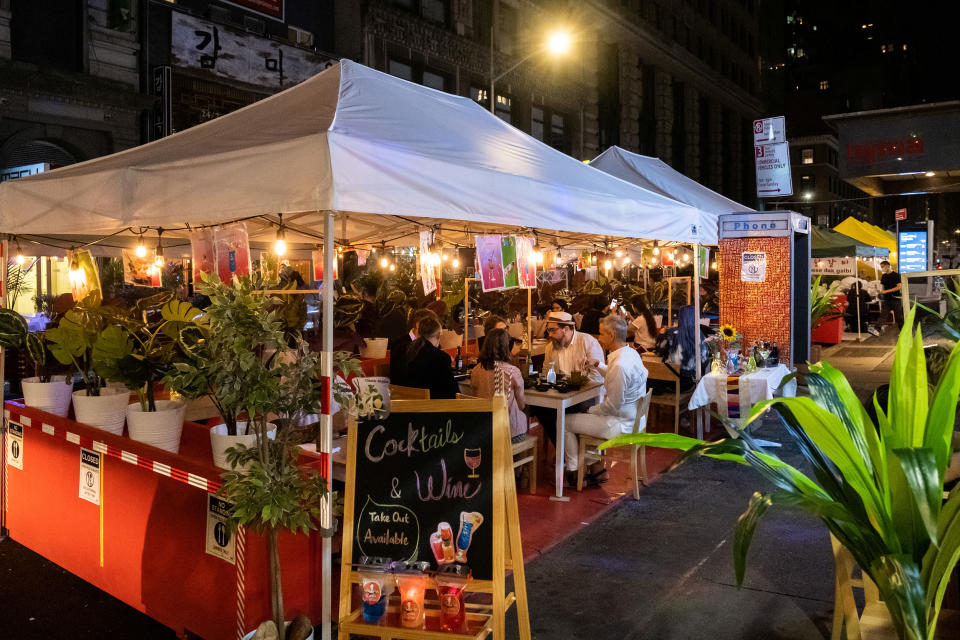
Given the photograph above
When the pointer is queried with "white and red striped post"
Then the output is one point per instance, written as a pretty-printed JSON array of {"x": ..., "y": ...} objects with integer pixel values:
[
  {"x": 4, "y": 253},
  {"x": 326, "y": 420}
]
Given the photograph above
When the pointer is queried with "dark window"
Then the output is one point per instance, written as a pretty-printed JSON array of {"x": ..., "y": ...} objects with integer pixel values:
[
  {"x": 705, "y": 142},
  {"x": 679, "y": 133},
  {"x": 656, "y": 16},
  {"x": 559, "y": 133},
  {"x": 674, "y": 29},
  {"x": 417, "y": 72},
  {"x": 435, "y": 10},
  {"x": 47, "y": 33},
  {"x": 700, "y": 47},
  {"x": 647, "y": 121},
  {"x": 537, "y": 123},
  {"x": 406, "y": 4},
  {"x": 726, "y": 147},
  {"x": 687, "y": 38},
  {"x": 507, "y": 29}
]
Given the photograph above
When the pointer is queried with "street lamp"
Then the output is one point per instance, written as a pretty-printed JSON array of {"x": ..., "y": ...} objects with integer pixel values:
[{"x": 557, "y": 44}]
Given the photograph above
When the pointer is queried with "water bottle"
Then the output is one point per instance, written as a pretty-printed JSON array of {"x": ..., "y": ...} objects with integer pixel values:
[
  {"x": 551, "y": 375},
  {"x": 459, "y": 361}
]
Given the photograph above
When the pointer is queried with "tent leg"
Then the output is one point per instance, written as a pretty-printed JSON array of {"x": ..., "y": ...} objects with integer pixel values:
[
  {"x": 696, "y": 306},
  {"x": 4, "y": 257},
  {"x": 326, "y": 420}
]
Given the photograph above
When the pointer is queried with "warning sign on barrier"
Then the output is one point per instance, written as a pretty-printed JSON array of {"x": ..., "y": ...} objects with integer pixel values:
[
  {"x": 15, "y": 446},
  {"x": 220, "y": 540},
  {"x": 90, "y": 476}
]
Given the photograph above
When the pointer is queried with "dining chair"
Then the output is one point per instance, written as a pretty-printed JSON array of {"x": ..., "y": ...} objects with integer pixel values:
[
  {"x": 398, "y": 392},
  {"x": 588, "y": 451},
  {"x": 657, "y": 370}
]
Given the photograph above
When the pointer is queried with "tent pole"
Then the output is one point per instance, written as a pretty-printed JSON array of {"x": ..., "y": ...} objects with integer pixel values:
[
  {"x": 696, "y": 306},
  {"x": 326, "y": 420},
  {"x": 4, "y": 258},
  {"x": 859, "y": 339}
]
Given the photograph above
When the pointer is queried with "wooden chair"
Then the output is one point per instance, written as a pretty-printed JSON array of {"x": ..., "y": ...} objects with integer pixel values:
[
  {"x": 657, "y": 370},
  {"x": 588, "y": 442},
  {"x": 527, "y": 448},
  {"x": 398, "y": 392},
  {"x": 382, "y": 370},
  {"x": 874, "y": 622}
]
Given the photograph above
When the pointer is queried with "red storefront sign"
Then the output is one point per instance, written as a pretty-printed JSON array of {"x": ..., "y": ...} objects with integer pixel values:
[
  {"x": 873, "y": 151},
  {"x": 271, "y": 8}
]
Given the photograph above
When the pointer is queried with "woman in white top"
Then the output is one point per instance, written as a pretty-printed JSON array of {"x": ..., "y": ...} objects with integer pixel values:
[{"x": 643, "y": 327}]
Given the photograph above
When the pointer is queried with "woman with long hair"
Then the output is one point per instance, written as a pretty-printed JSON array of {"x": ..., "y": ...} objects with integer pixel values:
[
  {"x": 677, "y": 347},
  {"x": 644, "y": 326},
  {"x": 428, "y": 367},
  {"x": 495, "y": 356}
]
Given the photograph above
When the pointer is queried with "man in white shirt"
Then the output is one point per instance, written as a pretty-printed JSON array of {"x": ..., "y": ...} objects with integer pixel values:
[
  {"x": 571, "y": 350},
  {"x": 625, "y": 382}
]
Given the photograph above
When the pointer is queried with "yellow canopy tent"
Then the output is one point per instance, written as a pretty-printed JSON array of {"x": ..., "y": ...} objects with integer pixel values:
[{"x": 869, "y": 234}]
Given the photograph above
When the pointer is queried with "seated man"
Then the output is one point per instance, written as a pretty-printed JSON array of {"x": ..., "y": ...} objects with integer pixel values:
[
  {"x": 625, "y": 382},
  {"x": 569, "y": 351}
]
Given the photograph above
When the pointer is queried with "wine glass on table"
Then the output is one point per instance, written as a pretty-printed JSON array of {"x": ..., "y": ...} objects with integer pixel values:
[{"x": 471, "y": 457}]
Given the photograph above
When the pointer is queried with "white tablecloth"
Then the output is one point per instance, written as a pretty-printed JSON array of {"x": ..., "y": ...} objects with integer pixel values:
[{"x": 754, "y": 387}]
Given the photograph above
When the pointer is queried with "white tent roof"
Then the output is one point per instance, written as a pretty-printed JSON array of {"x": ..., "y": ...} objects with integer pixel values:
[
  {"x": 657, "y": 176},
  {"x": 354, "y": 140}
]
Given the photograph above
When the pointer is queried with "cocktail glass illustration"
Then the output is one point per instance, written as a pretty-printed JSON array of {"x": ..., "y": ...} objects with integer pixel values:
[{"x": 472, "y": 459}]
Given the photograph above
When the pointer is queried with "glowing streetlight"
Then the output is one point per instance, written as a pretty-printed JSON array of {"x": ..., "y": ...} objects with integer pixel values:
[{"x": 559, "y": 42}]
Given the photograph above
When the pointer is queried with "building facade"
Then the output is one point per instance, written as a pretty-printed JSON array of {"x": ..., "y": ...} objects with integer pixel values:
[{"x": 679, "y": 80}]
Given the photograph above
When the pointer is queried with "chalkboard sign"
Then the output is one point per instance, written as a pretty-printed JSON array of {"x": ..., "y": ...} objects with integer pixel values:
[{"x": 424, "y": 489}]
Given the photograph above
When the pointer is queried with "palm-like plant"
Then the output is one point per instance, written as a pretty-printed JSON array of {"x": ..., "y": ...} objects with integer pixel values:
[
  {"x": 821, "y": 302},
  {"x": 878, "y": 488}
]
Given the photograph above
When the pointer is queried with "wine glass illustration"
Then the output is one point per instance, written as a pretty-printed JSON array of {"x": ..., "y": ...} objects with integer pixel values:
[{"x": 472, "y": 459}]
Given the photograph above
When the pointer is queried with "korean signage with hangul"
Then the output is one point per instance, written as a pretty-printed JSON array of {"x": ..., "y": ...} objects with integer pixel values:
[
  {"x": 220, "y": 51},
  {"x": 834, "y": 267}
]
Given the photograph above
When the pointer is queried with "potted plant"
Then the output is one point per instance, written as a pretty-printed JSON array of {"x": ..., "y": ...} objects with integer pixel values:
[
  {"x": 877, "y": 487},
  {"x": 71, "y": 343},
  {"x": 44, "y": 391},
  {"x": 139, "y": 351},
  {"x": 821, "y": 309},
  {"x": 274, "y": 376}
]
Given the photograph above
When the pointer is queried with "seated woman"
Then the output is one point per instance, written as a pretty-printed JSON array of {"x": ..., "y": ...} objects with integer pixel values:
[
  {"x": 494, "y": 356},
  {"x": 676, "y": 348},
  {"x": 858, "y": 301},
  {"x": 644, "y": 326},
  {"x": 428, "y": 367}
]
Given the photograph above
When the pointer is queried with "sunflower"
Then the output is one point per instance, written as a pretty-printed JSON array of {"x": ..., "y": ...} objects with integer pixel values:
[{"x": 729, "y": 332}]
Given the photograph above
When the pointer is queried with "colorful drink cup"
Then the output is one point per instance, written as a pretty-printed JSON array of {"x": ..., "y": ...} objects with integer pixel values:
[
  {"x": 469, "y": 521},
  {"x": 451, "y": 584}
]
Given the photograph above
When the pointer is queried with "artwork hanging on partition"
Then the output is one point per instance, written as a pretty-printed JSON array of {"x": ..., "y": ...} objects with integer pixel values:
[
  {"x": 426, "y": 269},
  {"x": 526, "y": 266},
  {"x": 508, "y": 254},
  {"x": 138, "y": 271},
  {"x": 84, "y": 279},
  {"x": 232, "y": 247},
  {"x": 317, "y": 256},
  {"x": 490, "y": 262},
  {"x": 203, "y": 252}
]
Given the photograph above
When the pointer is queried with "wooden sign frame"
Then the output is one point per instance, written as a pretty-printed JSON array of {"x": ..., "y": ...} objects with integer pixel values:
[{"x": 507, "y": 550}]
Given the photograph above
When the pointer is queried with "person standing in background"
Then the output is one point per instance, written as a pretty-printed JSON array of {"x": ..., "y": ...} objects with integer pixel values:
[{"x": 890, "y": 295}]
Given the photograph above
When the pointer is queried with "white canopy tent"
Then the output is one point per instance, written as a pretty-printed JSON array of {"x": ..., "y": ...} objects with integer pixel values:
[
  {"x": 387, "y": 155},
  {"x": 351, "y": 140}
]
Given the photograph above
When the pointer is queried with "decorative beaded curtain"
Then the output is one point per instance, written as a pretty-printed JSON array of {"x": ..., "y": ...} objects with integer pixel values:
[{"x": 759, "y": 310}]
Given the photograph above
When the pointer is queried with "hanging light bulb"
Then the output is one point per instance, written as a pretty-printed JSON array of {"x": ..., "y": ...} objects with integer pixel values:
[
  {"x": 626, "y": 260},
  {"x": 653, "y": 261},
  {"x": 618, "y": 253},
  {"x": 75, "y": 274},
  {"x": 593, "y": 258},
  {"x": 686, "y": 256},
  {"x": 607, "y": 264},
  {"x": 384, "y": 263},
  {"x": 280, "y": 244},
  {"x": 141, "y": 250},
  {"x": 656, "y": 249},
  {"x": 159, "y": 261},
  {"x": 713, "y": 265},
  {"x": 444, "y": 257},
  {"x": 393, "y": 267},
  {"x": 20, "y": 259},
  {"x": 456, "y": 263}
]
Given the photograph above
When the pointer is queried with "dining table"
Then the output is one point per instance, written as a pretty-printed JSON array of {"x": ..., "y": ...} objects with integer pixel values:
[
  {"x": 735, "y": 394},
  {"x": 553, "y": 399}
]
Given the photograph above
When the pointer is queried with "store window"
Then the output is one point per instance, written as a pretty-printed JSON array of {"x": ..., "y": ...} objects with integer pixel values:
[{"x": 806, "y": 156}]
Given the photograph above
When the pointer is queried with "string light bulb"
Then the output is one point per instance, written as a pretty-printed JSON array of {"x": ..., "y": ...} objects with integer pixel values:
[
  {"x": 653, "y": 261},
  {"x": 159, "y": 261},
  {"x": 713, "y": 265},
  {"x": 75, "y": 274},
  {"x": 280, "y": 244},
  {"x": 393, "y": 267},
  {"x": 19, "y": 259},
  {"x": 618, "y": 253},
  {"x": 626, "y": 260},
  {"x": 141, "y": 250},
  {"x": 656, "y": 249},
  {"x": 384, "y": 263},
  {"x": 456, "y": 263}
]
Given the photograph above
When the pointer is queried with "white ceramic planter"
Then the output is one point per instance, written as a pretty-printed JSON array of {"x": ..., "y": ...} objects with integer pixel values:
[
  {"x": 220, "y": 441},
  {"x": 160, "y": 428},
  {"x": 249, "y": 636},
  {"x": 52, "y": 397},
  {"x": 108, "y": 411}
]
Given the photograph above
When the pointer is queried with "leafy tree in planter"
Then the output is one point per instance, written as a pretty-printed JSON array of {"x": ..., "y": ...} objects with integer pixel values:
[
  {"x": 14, "y": 333},
  {"x": 264, "y": 373}
]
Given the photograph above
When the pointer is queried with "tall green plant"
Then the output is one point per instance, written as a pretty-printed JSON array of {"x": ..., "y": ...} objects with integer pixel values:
[
  {"x": 821, "y": 302},
  {"x": 14, "y": 333},
  {"x": 878, "y": 488},
  {"x": 262, "y": 372},
  {"x": 71, "y": 342}
]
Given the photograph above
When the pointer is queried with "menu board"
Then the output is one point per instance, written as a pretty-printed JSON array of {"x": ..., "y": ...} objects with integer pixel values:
[
  {"x": 912, "y": 251},
  {"x": 424, "y": 489}
]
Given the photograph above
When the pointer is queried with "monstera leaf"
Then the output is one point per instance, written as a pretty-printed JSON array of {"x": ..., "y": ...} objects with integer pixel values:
[
  {"x": 13, "y": 328},
  {"x": 111, "y": 348}
]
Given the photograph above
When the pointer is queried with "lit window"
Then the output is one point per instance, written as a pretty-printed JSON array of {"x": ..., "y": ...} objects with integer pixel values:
[
  {"x": 904, "y": 47},
  {"x": 502, "y": 106},
  {"x": 806, "y": 156},
  {"x": 824, "y": 85},
  {"x": 789, "y": 19},
  {"x": 883, "y": 48}
]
